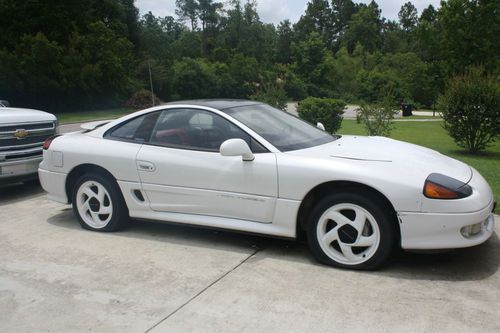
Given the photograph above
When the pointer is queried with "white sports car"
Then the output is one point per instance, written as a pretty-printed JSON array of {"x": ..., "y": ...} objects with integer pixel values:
[{"x": 245, "y": 166}]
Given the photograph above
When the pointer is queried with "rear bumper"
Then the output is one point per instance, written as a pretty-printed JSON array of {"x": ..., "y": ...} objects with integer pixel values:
[
  {"x": 19, "y": 170},
  {"x": 54, "y": 183},
  {"x": 429, "y": 231}
]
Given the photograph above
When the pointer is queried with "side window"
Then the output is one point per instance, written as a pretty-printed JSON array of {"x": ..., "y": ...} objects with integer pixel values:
[
  {"x": 196, "y": 130},
  {"x": 137, "y": 129}
]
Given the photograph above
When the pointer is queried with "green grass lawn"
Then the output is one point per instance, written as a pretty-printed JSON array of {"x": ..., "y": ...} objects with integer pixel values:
[
  {"x": 74, "y": 117},
  {"x": 432, "y": 135}
]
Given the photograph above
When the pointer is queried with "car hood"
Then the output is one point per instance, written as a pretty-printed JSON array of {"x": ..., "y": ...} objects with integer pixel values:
[
  {"x": 18, "y": 115},
  {"x": 402, "y": 156}
]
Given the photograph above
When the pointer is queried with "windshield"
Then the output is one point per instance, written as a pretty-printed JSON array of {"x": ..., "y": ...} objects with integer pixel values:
[{"x": 281, "y": 129}]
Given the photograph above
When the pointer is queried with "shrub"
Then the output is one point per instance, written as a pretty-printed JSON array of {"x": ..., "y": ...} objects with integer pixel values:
[
  {"x": 377, "y": 118},
  {"x": 272, "y": 95},
  {"x": 295, "y": 88},
  {"x": 243, "y": 70},
  {"x": 471, "y": 109},
  {"x": 373, "y": 85},
  {"x": 193, "y": 78},
  {"x": 142, "y": 100},
  {"x": 327, "y": 111}
]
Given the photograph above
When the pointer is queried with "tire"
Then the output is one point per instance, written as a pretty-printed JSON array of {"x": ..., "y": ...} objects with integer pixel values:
[
  {"x": 352, "y": 231},
  {"x": 98, "y": 203}
]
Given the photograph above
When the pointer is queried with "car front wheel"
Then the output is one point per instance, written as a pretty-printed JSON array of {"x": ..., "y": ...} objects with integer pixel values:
[
  {"x": 351, "y": 231},
  {"x": 98, "y": 204}
]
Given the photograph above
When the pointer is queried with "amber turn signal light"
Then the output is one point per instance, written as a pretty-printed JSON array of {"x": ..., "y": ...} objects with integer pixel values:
[
  {"x": 438, "y": 186},
  {"x": 436, "y": 191}
]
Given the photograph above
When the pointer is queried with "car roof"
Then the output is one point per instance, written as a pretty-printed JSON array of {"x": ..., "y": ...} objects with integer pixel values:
[{"x": 219, "y": 104}]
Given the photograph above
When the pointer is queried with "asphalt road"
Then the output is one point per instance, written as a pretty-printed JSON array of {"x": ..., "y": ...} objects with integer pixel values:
[{"x": 57, "y": 277}]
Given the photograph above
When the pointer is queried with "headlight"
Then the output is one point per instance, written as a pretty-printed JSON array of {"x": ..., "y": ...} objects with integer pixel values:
[{"x": 438, "y": 186}]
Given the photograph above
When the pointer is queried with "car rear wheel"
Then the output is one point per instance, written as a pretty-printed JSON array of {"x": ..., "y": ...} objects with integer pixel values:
[
  {"x": 98, "y": 204},
  {"x": 351, "y": 231}
]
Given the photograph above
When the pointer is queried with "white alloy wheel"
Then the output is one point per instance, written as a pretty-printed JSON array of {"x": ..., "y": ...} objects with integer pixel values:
[
  {"x": 348, "y": 234},
  {"x": 94, "y": 204}
]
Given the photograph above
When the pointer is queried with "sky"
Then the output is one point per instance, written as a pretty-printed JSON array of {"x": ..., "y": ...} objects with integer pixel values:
[{"x": 275, "y": 11}]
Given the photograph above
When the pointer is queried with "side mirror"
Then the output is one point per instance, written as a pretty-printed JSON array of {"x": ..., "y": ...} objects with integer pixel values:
[
  {"x": 236, "y": 147},
  {"x": 320, "y": 126}
]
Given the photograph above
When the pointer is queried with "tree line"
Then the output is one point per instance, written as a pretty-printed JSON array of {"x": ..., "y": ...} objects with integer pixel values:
[{"x": 78, "y": 54}]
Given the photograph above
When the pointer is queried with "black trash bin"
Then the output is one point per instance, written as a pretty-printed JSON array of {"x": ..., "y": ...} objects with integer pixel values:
[{"x": 407, "y": 108}]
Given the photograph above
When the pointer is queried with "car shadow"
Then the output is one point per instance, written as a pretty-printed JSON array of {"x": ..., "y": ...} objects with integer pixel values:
[
  {"x": 188, "y": 236},
  {"x": 468, "y": 264},
  {"x": 471, "y": 264},
  {"x": 19, "y": 191}
]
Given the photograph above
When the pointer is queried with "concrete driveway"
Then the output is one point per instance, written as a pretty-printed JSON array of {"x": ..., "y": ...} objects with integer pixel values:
[{"x": 57, "y": 277}]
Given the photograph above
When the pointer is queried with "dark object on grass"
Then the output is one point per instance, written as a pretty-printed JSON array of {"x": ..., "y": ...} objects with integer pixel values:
[{"x": 407, "y": 109}]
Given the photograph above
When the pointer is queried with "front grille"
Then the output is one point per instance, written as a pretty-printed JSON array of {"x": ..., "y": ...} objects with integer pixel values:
[
  {"x": 27, "y": 126},
  {"x": 25, "y": 154},
  {"x": 38, "y": 143},
  {"x": 8, "y": 133},
  {"x": 30, "y": 139},
  {"x": 13, "y": 148}
]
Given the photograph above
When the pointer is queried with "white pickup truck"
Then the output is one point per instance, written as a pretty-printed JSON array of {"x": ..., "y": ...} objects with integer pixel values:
[{"x": 22, "y": 133}]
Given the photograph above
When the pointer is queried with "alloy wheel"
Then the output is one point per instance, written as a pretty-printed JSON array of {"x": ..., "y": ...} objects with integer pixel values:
[
  {"x": 94, "y": 204},
  {"x": 348, "y": 234}
]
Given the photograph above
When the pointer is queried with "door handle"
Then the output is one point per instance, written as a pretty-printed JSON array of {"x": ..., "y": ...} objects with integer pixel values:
[{"x": 145, "y": 166}]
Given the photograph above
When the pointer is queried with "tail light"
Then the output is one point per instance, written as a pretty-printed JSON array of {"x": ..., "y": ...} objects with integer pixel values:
[{"x": 46, "y": 143}]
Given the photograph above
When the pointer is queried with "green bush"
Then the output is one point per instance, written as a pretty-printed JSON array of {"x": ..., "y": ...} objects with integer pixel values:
[
  {"x": 471, "y": 109},
  {"x": 377, "y": 118},
  {"x": 272, "y": 94},
  {"x": 244, "y": 71},
  {"x": 373, "y": 85},
  {"x": 295, "y": 88},
  {"x": 193, "y": 78},
  {"x": 327, "y": 111}
]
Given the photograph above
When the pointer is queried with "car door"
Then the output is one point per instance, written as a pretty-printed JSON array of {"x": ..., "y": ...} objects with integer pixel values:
[{"x": 182, "y": 171}]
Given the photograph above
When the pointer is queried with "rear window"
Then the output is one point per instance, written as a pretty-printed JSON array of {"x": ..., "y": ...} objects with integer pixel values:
[{"x": 137, "y": 129}]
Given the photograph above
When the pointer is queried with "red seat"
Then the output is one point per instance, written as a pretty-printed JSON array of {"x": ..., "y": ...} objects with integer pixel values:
[{"x": 174, "y": 135}]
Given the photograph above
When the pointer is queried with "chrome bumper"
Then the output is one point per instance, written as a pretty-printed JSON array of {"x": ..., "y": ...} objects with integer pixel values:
[{"x": 19, "y": 168}]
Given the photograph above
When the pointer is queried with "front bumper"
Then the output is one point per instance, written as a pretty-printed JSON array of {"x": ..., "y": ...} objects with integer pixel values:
[
  {"x": 19, "y": 170},
  {"x": 429, "y": 231},
  {"x": 54, "y": 183}
]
